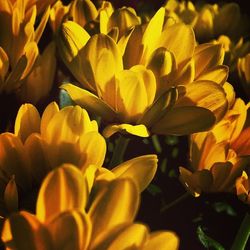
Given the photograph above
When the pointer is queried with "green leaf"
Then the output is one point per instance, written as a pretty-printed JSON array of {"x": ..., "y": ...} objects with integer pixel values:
[{"x": 207, "y": 241}]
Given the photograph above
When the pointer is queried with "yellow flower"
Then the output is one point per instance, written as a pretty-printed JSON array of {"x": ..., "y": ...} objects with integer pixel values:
[
  {"x": 151, "y": 88},
  {"x": 40, "y": 144},
  {"x": 120, "y": 21},
  {"x": 106, "y": 223},
  {"x": 243, "y": 188},
  {"x": 18, "y": 42},
  {"x": 219, "y": 156},
  {"x": 210, "y": 20}
]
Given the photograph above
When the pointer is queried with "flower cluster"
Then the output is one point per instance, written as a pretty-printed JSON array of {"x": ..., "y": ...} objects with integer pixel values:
[{"x": 88, "y": 79}]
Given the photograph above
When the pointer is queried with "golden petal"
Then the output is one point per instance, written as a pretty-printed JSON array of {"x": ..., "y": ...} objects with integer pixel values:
[
  {"x": 141, "y": 169},
  {"x": 68, "y": 186},
  {"x": 27, "y": 121}
]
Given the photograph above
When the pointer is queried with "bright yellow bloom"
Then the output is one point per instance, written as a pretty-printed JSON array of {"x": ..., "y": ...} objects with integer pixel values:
[
  {"x": 243, "y": 188},
  {"x": 209, "y": 20},
  {"x": 40, "y": 144},
  {"x": 18, "y": 41},
  {"x": 106, "y": 222},
  {"x": 151, "y": 88},
  {"x": 119, "y": 23},
  {"x": 219, "y": 156}
]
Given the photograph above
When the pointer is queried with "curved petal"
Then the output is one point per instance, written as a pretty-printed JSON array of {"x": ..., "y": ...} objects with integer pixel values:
[
  {"x": 180, "y": 40},
  {"x": 230, "y": 94},
  {"x": 71, "y": 39},
  {"x": 116, "y": 203},
  {"x": 162, "y": 241},
  {"x": 135, "y": 92},
  {"x": 206, "y": 94},
  {"x": 137, "y": 130},
  {"x": 70, "y": 230},
  {"x": 88, "y": 144},
  {"x": 11, "y": 196},
  {"x": 152, "y": 34},
  {"x": 218, "y": 74},
  {"x": 165, "y": 102},
  {"x": 196, "y": 182},
  {"x": 89, "y": 101},
  {"x": 13, "y": 160},
  {"x": 133, "y": 236},
  {"x": 141, "y": 169},
  {"x": 68, "y": 186},
  {"x": 48, "y": 113},
  {"x": 68, "y": 125},
  {"x": 207, "y": 56},
  {"x": 100, "y": 51},
  {"x": 37, "y": 159},
  {"x": 26, "y": 226},
  {"x": 242, "y": 144},
  {"x": 184, "y": 120},
  {"x": 27, "y": 121}
]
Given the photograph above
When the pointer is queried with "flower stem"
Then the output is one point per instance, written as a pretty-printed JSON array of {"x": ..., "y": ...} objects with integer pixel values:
[
  {"x": 175, "y": 202},
  {"x": 243, "y": 234},
  {"x": 156, "y": 144},
  {"x": 119, "y": 151}
]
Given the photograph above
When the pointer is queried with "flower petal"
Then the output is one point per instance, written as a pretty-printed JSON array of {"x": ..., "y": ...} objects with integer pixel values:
[
  {"x": 152, "y": 34},
  {"x": 206, "y": 94},
  {"x": 196, "y": 182},
  {"x": 26, "y": 226},
  {"x": 11, "y": 196},
  {"x": 48, "y": 113},
  {"x": 70, "y": 230},
  {"x": 68, "y": 186},
  {"x": 90, "y": 156},
  {"x": 137, "y": 130},
  {"x": 157, "y": 110},
  {"x": 184, "y": 120},
  {"x": 73, "y": 122},
  {"x": 27, "y": 121},
  {"x": 133, "y": 236},
  {"x": 13, "y": 161},
  {"x": 180, "y": 40},
  {"x": 207, "y": 56},
  {"x": 115, "y": 203},
  {"x": 218, "y": 74},
  {"x": 89, "y": 101},
  {"x": 162, "y": 241},
  {"x": 141, "y": 169}
]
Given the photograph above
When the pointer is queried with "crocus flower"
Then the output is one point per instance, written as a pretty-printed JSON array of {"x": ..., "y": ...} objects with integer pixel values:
[
  {"x": 210, "y": 20},
  {"x": 164, "y": 87},
  {"x": 18, "y": 42},
  {"x": 107, "y": 222},
  {"x": 219, "y": 156},
  {"x": 40, "y": 144}
]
